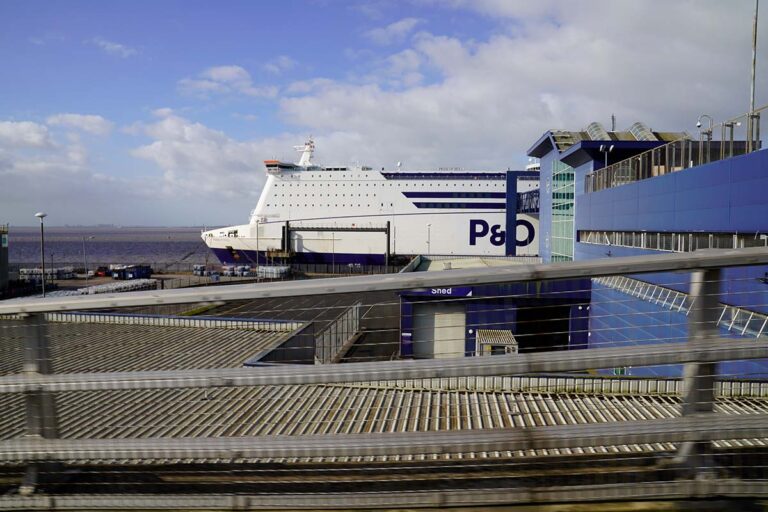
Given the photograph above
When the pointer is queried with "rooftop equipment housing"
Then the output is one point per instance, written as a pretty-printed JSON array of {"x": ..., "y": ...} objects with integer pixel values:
[
  {"x": 596, "y": 132},
  {"x": 641, "y": 132}
]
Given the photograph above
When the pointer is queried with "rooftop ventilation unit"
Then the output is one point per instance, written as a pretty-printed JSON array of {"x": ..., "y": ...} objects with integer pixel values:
[
  {"x": 642, "y": 132},
  {"x": 596, "y": 132}
]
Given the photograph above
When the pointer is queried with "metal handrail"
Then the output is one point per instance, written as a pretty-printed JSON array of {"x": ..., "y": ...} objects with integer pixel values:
[
  {"x": 693, "y": 428},
  {"x": 705, "y": 259},
  {"x": 718, "y": 349},
  {"x": 682, "y": 153}
]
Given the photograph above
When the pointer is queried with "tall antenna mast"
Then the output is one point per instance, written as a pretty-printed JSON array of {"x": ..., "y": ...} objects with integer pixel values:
[{"x": 307, "y": 150}]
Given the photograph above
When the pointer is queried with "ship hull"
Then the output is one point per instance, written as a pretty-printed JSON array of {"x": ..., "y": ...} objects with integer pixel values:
[
  {"x": 251, "y": 257},
  {"x": 360, "y": 216}
]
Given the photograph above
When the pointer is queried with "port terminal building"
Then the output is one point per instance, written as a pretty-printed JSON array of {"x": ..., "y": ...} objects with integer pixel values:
[
  {"x": 637, "y": 192},
  {"x": 607, "y": 194}
]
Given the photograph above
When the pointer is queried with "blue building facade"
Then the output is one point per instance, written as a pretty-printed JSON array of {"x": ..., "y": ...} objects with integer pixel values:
[
  {"x": 544, "y": 316},
  {"x": 722, "y": 204}
]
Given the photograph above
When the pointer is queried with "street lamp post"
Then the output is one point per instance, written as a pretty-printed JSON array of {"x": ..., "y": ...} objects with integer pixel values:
[
  {"x": 605, "y": 149},
  {"x": 85, "y": 260},
  {"x": 429, "y": 238},
  {"x": 41, "y": 216}
]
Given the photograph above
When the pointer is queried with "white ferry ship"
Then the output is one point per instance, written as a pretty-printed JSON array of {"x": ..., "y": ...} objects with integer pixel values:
[{"x": 339, "y": 215}]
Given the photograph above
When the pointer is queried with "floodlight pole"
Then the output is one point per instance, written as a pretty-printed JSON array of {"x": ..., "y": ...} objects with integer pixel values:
[
  {"x": 753, "y": 125},
  {"x": 85, "y": 260},
  {"x": 41, "y": 216}
]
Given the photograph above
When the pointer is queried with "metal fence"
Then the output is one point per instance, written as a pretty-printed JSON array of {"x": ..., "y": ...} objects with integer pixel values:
[
  {"x": 329, "y": 341},
  {"x": 185, "y": 425},
  {"x": 737, "y": 136}
]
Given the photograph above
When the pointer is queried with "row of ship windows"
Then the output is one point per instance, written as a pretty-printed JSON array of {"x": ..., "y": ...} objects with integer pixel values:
[
  {"x": 304, "y": 175},
  {"x": 675, "y": 242},
  {"x": 351, "y": 184}
]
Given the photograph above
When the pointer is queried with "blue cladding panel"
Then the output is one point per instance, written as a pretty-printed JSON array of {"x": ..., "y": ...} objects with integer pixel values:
[
  {"x": 752, "y": 191},
  {"x": 545, "y": 207},
  {"x": 725, "y": 196}
]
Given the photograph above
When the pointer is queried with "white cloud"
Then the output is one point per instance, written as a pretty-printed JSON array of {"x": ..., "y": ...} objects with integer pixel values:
[
  {"x": 113, "y": 48},
  {"x": 483, "y": 102},
  {"x": 404, "y": 68},
  {"x": 162, "y": 112},
  {"x": 394, "y": 32},
  {"x": 94, "y": 124},
  {"x": 521, "y": 9},
  {"x": 307, "y": 86},
  {"x": 372, "y": 9},
  {"x": 47, "y": 38},
  {"x": 224, "y": 80},
  {"x": 21, "y": 134},
  {"x": 279, "y": 65},
  {"x": 50, "y": 175},
  {"x": 198, "y": 166},
  {"x": 196, "y": 159}
]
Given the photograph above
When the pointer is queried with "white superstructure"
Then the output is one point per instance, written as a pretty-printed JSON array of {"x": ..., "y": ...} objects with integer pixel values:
[{"x": 359, "y": 215}]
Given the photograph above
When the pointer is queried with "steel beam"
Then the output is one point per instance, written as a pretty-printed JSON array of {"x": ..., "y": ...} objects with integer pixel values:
[
  {"x": 696, "y": 428},
  {"x": 404, "y": 281},
  {"x": 517, "y": 495},
  {"x": 721, "y": 349}
]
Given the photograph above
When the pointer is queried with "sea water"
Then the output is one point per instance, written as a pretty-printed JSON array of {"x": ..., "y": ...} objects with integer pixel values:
[{"x": 171, "y": 247}]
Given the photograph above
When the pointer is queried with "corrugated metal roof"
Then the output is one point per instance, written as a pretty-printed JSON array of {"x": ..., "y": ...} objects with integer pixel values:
[
  {"x": 364, "y": 408},
  {"x": 496, "y": 337},
  {"x": 110, "y": 348}
]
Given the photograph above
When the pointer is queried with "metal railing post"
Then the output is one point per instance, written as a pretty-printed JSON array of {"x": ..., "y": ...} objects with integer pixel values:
[
  {"x": 699, "y": 378},
  {"x": 41, "y": 419}
]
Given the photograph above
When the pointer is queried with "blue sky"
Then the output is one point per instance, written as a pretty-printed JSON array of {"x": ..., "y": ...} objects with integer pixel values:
[{"x": 160, "y": 113}]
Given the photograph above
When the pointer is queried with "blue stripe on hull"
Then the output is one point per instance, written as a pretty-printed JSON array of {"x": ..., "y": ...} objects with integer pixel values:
[
  {"x": 472, "y": 206},
  {"x": 244, "y": 257}
]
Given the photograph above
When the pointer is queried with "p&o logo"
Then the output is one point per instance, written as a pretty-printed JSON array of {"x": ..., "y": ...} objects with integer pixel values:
[{"x": 478, "y": 228}]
